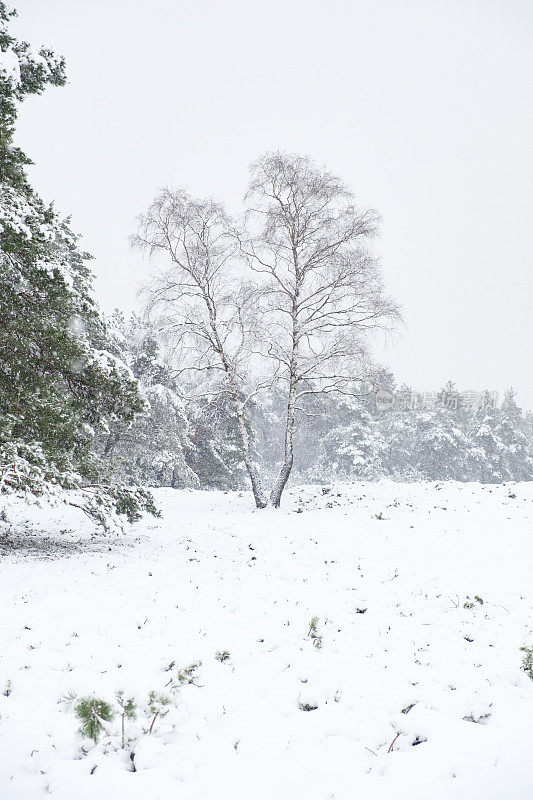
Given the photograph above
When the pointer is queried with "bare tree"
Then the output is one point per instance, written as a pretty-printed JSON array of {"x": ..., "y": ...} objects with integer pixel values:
[
  {"x": 203, "y": 303},
  {"x": 321, "y": 288},
  {"x": 303, "y": 322}
]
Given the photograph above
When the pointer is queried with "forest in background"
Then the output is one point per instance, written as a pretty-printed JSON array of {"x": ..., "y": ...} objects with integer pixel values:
[{"x": 184, "y": 442}]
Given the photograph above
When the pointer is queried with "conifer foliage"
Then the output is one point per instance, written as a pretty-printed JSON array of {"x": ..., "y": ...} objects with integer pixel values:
[{"x": 60, "y": 381}]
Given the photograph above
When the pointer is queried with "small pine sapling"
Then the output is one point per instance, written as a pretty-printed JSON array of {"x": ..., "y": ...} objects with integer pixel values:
[
  {"x": 222, "y": 655},
  {"x": 527, "y": 661},
  {"x": 185, "y": 675},
  {"x": 93, "y": 713},
  {"x": 188, "y": 674},
  {"x": 313, "y": 633},
  {"x": 469, "y": 604},
  {"x": 157, "y": 707},
  {"x": 127, "y": 710},
  {"x": 398, "y": 734},
  {"x": 69, "y": 699}
]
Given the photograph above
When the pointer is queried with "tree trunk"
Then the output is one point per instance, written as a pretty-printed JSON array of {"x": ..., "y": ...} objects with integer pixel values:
[
  {"x": 111, "y": 442},
  {"x": 286, "y": 467},
  {"x": 251, "y": 468}
]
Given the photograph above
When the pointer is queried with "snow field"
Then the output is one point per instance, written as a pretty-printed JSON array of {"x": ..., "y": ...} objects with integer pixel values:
[{"x": 412, "y": 695}]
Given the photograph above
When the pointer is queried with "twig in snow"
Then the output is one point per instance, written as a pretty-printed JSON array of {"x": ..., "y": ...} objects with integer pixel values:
[{"x": 392, "y": 743}]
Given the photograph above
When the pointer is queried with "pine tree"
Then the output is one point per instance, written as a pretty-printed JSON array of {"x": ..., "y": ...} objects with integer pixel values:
[
  {"x": 486, "y": 435},
  {"x": 59, "y": 382},
  {"x": 216, "y": 455},
  {"x": 153, "y": 449},
  {"x": 354, "y": 448},
  {"x": 400, "y": 431},
  {"x": 528, "y": 431},
  {"x": 93, "y": 713},
  {"x": 513, "y": 433},
  {"x": 443, "y": 445}
]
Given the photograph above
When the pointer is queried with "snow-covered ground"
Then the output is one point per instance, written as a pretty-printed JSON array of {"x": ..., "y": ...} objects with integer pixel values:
[{"x": 387, "y": 569}]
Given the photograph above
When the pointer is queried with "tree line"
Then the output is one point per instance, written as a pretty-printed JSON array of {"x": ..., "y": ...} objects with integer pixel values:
[{"x": 187, "y": 441}]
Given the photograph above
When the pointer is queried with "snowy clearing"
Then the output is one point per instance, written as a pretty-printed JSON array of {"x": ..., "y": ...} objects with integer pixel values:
[{"x": 423, "y": 594}]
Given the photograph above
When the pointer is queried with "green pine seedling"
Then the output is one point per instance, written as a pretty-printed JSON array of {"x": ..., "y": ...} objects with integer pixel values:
[
  {"x": 157, "y": 707},
  {"x": 469, "y": 604},
  {"x": 188, "y": 674},
  {"x": 69, "y": 699},
  {"x": 313, "y": 633},
  {"x": 93, "y": 713},
  {"x": 222, "y": 655},
  {"x": 127, "y": 710},
  {"x": 527, "y": 661}
]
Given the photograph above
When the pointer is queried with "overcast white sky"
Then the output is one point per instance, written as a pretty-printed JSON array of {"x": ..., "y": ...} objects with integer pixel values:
[{"x": 424, "y": 107}]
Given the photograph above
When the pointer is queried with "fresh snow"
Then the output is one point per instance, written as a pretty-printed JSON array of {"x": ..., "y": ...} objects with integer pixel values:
[
  {"x": 95, "y": 615},
  {"x": 9, "y": 65}
]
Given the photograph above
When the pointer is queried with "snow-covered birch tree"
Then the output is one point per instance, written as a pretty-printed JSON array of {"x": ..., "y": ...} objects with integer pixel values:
[
  {"x": 201, "y": 300},
  {"x": 292, "y": 301},
  {"x": 321, "y": 287}
]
